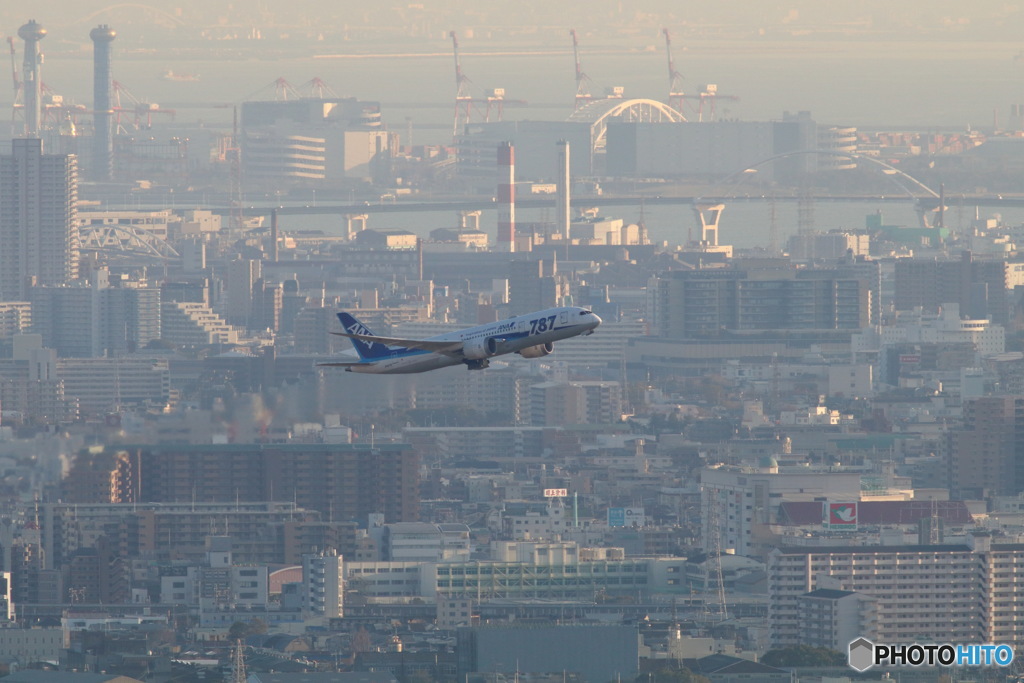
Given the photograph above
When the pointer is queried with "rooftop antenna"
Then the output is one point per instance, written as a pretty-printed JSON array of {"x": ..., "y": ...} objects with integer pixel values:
[
  {"x": 238, "y": 674},
  {"x": 714, "y": 586}
]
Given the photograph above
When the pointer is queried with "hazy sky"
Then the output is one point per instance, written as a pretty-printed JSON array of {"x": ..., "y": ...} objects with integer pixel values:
[
  {"x": 934, "y": 19},
  {"x": 916, "y": 62}
]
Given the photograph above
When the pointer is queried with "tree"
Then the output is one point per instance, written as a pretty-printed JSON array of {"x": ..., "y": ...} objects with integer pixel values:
[
  {"x": 803, "y": 655},
  {"x": 241, "y": 630}
]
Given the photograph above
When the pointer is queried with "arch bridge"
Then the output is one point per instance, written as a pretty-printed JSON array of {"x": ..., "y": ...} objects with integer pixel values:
[
  {"x": 925, "y": 199},
  {"x": 599, "y": 112}
]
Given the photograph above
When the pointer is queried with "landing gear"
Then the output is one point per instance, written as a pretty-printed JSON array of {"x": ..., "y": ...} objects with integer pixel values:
[{"x": 477, "y": 364}]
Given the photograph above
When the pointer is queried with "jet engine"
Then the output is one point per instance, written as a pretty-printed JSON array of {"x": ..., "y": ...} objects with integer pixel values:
[
  {"x": 538, "y": 351},
  {"x": 480, "y": 347}
]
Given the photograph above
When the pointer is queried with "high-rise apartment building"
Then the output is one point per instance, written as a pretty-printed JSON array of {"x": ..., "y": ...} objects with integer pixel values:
[
  {"x": 534, "y": 285},
  {"x": 704, "y": 303},
  {"x": 38, "y": 222},
  {"x": 982, "y": 287},
  {"x": 342, "y": 481},
  {"x": 924, "y": 593},
  {"x": 985, "y": 454},
  {"x": 96, "y": 320}
]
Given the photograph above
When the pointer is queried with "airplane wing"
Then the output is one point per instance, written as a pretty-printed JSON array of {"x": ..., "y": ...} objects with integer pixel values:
[
  {"x": 342, "y": 365},
  {"x": 448, "y": 348}
]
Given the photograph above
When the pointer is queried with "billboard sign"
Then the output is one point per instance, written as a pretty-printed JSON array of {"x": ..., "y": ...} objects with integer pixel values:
[
  {"x": 841, "y": 516},
  {"x": 626, "y": 517},
  {"x": 556, "y": 493}
]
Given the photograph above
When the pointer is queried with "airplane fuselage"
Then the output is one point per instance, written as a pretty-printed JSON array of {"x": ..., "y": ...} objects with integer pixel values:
[{"x": 512, "y": 335}]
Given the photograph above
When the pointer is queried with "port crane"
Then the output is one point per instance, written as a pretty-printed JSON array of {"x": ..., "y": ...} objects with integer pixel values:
[
  {"x": 706, "y": 96},
  {"x": 465, "y": 104},
  {"x": 583, "y": 82},
  {"x": 675, "y": 79},
  {"x": 141, "y": 111}
]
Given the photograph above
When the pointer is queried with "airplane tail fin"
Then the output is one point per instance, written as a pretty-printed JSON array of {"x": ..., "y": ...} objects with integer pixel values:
[{"x": 366, "y": 350}]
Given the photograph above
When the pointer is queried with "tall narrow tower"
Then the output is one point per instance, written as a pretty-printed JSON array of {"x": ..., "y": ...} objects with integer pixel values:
[
  {"x": 32, "y": 33},
  {"x": 506, "y": 197},
  {"x": 103, "y": 114},
  {"x": 562, "y": 180}
]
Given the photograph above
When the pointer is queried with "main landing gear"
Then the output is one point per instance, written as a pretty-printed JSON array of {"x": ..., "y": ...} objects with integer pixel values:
[{"x": 477, "y": 364}]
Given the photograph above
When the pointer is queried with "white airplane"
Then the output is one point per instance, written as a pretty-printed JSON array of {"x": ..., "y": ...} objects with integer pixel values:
[{"x": 531, "y": 336}]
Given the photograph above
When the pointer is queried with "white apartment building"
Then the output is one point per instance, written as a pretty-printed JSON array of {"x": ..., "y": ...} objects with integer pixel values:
[
  {"x": 194, "y": 323},
  {"x": 940, "y": 593},
  {"x": 323, "y": 584}
]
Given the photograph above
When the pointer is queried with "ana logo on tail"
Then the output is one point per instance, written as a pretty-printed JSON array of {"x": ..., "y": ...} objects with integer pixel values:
[{"x": 365, "y": 349}]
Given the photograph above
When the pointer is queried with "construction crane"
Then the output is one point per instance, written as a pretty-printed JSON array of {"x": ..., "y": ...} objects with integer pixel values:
[
  {"x": 59, "y": 114},
  {"x": 283, "y": 91},
  {"x": 14, "y": 67},
  {"x": 583, "y": 82},
  {"x": 493, "y": 104},
  {"x": 708, "y": 95},
  {"x": 463, "y": 100},
  {"x": 675, "y": 79},
  {"x": 139, "y": 109},
  {"x": 17, "y": 104},
  {"x": 318, "y": 89}
]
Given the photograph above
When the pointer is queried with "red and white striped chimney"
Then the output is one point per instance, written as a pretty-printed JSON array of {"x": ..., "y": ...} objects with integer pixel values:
[{"x": 506, "y": 197}]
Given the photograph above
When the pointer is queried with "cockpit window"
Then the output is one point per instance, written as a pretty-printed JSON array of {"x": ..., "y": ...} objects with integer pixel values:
[{"x": 585, "y": 312}]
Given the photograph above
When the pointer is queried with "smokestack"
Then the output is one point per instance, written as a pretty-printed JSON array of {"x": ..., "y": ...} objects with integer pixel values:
[
  {"x": 562, "y": 211},
  {"x": 103, "y": 114},
  {"x": 32, "y": 33},
  {"x": 506, "y": 197}
]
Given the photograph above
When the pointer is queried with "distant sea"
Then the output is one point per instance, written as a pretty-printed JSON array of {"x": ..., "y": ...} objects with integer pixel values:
[
  {"x": 924, "y": 85},
  {"x": 916, "y": 85}
]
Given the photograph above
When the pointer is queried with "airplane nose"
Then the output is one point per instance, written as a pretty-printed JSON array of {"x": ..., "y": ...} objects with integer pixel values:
[{"x": 596, "y": 318}]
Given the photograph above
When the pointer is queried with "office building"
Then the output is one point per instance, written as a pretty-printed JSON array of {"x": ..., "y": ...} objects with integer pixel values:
[
  {"x": 314, "y": 139},
  {"x": 38, "y": 219}
]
